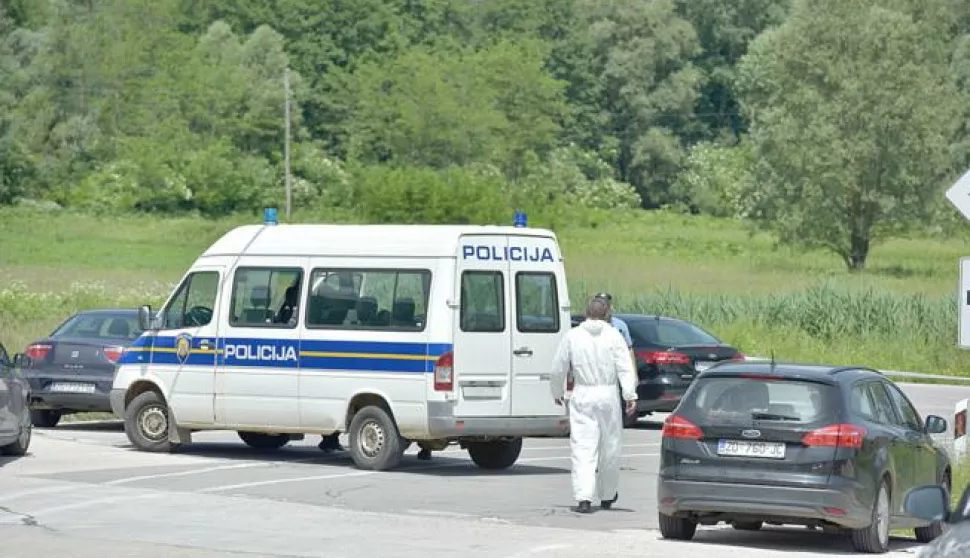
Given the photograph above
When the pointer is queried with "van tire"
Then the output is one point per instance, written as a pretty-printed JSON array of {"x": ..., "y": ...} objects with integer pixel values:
[
  {"x": 262, "y": 441},
  {"x": 496, "y": 454},
  {"x": 375, "y": 443},
  {"x": 146, "y": 423}
]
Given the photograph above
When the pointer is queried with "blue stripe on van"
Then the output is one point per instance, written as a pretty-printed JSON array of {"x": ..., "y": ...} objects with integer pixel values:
[{"x": 375, "y": 356}]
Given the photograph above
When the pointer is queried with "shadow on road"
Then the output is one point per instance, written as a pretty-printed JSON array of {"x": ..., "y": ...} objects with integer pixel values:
[
  {"x": 449, "y": 464},
  {"x": 88, "y": 426},
  {"x": 790, "y": 540}
]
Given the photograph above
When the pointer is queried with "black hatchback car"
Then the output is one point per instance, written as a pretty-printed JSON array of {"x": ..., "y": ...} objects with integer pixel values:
[
  {"x": 830, "y": 447},
  {"x": 669, "y": 353},
  {"x": 73, "y": 368}
]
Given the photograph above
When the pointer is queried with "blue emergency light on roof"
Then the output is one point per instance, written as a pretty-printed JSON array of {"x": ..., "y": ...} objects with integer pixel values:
[
  {"x": 269, "y": 216},
  {"x": 521, "y": 219}
]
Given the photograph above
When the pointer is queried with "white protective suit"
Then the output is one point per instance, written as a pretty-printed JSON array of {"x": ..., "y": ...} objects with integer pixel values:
[{"x": 598, "y": 358}]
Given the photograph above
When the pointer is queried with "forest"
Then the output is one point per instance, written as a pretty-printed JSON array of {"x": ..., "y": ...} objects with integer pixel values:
[{"x": 833, "y": 124}]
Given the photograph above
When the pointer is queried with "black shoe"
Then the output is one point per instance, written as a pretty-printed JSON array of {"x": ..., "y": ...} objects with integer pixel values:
[
  {"x": 328, "y": 446},
  {"x": 607, "y": 504},
  {"x": 424, "y": 454},
  {"x": 584, "y": 507}
]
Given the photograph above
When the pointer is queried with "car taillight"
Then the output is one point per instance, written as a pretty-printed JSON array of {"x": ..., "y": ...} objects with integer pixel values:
[
  {"x": 662, "y": 357},
  {"x": 444, "y": 374},
  {"x": 679, "y": 427},
  {"x": 37, "y": 351},
  {"x": 836, "y": 435},
  {"x": 113, "y": 353}
]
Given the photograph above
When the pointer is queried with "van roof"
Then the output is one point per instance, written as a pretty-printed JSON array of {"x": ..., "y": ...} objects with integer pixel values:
[{"x": 417, "y": 241}]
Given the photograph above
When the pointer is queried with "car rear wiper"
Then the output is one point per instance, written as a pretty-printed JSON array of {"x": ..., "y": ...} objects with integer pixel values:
[{"x": 773, "y": 416}]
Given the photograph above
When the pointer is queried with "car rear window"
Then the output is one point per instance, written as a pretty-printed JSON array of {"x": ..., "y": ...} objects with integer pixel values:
[
  {"x": 107, "y": 327},
  {"x": 671, "y": 333},
  {"x": 727, "y": 400}
]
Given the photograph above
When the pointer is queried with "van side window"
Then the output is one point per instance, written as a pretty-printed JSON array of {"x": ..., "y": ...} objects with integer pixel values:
[
  {"x": 370, "y": 299},
  {"x": 482, "y": 302},
  {"x": 266, "y": 297},
  {"x": 192, "y": 305},
  {"x": 536, "y": 302}
]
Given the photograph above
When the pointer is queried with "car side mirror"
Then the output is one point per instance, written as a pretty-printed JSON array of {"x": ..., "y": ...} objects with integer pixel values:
[
  {"x": 930, "y": 502},
  {"x": 20, "y": 360},
  {"x": 935, "y": 424}
]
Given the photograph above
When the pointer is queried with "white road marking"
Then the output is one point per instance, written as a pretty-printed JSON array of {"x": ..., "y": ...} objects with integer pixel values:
[
  {"x": 437, "y": 513},
  {"x": 185, "y": 473},
  {"x": 223, "y": 488},
  {"x": 87, "y": 504}
]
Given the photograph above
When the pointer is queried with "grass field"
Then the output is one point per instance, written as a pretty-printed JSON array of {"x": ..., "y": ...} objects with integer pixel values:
[{"x": 804, "y": 306}]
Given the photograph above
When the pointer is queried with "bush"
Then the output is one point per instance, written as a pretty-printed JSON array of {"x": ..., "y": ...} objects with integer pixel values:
[{"x": 409, "y": 194}]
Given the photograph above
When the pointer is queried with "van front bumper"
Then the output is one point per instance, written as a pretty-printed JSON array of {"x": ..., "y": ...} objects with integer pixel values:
[{"x": 442, "y": 423}]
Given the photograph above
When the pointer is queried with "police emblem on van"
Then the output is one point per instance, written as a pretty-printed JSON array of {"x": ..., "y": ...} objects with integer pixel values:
[{"x": 183, "y": 347}]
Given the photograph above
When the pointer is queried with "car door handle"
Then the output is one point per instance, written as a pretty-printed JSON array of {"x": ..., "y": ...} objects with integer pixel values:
[
  {"x": 204, "y": 345},
  {"x": 522, "y": 351}
]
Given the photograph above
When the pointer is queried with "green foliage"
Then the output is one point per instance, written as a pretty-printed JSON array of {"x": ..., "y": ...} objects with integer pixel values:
[
  {"x": 715, "y": 179},
  {"x": 852, "y": 107},
  {"x": 422, "y": 195}
]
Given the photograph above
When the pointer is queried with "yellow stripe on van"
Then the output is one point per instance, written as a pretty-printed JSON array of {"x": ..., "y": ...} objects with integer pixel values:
[{"x": 321, "y": 354}]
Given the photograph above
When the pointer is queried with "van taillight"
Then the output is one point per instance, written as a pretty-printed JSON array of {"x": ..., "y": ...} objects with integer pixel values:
[
  {"x": 836, "y": 435},
  {"x": 444, "y": 372},
  {"x": 679, "y": 427}
]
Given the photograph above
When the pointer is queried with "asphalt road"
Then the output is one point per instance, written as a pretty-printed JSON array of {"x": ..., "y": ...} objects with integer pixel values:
[{"x": 83, "y": 491}]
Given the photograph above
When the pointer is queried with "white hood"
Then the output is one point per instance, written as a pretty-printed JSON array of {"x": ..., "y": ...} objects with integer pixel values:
[{"x": 593, "y": 327}]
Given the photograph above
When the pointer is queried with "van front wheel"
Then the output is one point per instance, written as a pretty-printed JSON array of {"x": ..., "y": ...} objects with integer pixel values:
[
  {"x": 146, "y": 423},
  {"x": 496, "y": 454},
  {"x": 375, "y": 443}
]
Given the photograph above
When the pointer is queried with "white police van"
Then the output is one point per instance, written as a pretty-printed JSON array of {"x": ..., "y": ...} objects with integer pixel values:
[{"x": 393, "y": 334}]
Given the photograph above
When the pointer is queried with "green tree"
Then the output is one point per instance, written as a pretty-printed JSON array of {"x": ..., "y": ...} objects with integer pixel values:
[
  {"x": 853, "y": 109},
  {"x": 437, "y": 108},
  {"x": 633, "y": 88}
]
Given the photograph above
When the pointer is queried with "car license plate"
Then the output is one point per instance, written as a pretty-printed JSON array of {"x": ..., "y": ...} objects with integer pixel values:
[
  {"x": 744, "y": 448},
  {"x": 70, "y": 387},
  {"x": 702, "y": 365}
]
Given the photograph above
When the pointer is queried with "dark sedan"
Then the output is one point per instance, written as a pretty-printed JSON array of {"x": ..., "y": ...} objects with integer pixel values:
[
  {"x": 15, "y": 427},
  {"x": 669, "y": 353},
  {"x": 72, "y": 369},
  {"x": 835, "y": 447}
]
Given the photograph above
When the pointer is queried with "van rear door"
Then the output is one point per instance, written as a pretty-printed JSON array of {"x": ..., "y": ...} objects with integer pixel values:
[
  {"x": 482, "y": 343},
  {"x": 539, "y": 322}
]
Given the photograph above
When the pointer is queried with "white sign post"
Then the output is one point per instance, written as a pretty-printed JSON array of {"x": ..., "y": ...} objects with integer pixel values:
[{"x": 959, "y": 196}]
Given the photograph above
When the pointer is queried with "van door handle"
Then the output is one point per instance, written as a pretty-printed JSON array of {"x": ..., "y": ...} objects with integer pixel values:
[
  {"x": 522, "y": 351},
  {"x": 204, "y": 345}
]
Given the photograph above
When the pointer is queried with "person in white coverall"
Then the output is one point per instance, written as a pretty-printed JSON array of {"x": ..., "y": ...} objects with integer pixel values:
[{"x": 597, "y": 357}]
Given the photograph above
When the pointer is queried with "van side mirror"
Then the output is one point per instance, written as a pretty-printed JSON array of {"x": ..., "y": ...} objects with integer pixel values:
[
  {"x": 930, "y": 502},
  {"x": 145, "y": 318},
  {"x": 20, "y": 360},
  {"x": 935, "y": 424}
]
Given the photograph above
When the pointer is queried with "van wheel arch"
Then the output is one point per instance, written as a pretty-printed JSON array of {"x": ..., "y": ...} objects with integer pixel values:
[
  {"x": 140, "y": 387},
  {"x": 366, "y": 399}
]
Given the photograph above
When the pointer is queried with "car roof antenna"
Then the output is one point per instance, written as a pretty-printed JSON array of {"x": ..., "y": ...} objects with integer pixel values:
[{"x": 772, "y": 360}]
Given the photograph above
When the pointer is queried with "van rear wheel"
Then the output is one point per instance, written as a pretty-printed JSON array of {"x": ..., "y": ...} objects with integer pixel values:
[
  {"x": 375, "y": 443},
  {"x": 260, "y": 440},
  {"x": 495, "y": 454}
]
